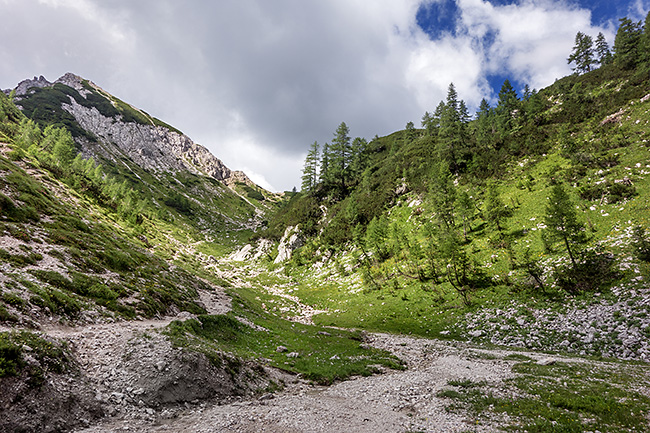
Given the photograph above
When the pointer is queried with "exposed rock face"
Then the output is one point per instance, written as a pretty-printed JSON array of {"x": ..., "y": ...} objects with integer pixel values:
[
  {"x": 25, "y": 85},
  {"x": 291, "y": 240},
  {"x": 155, "y": 148},
  {"x": 250, "y": 252}
]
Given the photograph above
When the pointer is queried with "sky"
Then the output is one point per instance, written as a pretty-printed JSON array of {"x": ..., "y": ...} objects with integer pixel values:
[{"x": 258, "y": 81}]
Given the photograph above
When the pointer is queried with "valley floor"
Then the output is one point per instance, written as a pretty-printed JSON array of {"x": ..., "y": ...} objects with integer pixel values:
[{"x": 420, "y": 399}]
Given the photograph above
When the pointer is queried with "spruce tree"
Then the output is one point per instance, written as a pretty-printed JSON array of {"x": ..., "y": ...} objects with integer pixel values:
[
  {"x": 453, "y": 133},
  {"x": 583, "y": 53},
  {"x": 507, "y": 107},
  {"x": 561, "y": 220}
]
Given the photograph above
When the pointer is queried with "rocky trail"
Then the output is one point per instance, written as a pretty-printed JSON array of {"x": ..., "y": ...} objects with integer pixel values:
[
  {"x": 395, "y": 401},
  {"x": 141, "y": 383}
]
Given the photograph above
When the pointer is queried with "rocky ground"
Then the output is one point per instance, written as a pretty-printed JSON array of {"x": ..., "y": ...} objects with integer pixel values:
[{"x": 396, "y": 401}]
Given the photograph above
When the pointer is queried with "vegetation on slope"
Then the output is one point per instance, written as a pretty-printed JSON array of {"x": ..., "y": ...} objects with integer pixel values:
[{"x": 538, "y": 203}]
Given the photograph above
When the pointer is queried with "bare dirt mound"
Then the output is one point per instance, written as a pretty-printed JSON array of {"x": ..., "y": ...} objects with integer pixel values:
[{"x": 124, "y": 370}]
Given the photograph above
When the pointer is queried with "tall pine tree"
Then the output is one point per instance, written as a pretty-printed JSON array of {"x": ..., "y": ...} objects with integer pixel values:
[
  {"x": 583, "y": 53},
  {"x": 310, "y": 170},
  {"x": 627, "y": 43}
]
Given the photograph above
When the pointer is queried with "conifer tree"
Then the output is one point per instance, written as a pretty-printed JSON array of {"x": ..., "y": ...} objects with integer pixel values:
[
  {"x": 310, "y": 170},
  {"x": 507, "y": 107},
  {"x": 411, "y": 132},
  {"x": 626, "y": 44},
  {"x": 645, "y": 40},
  {"x": 561, "y": 220},
  {"x": 358, "y": 160},
  {"x": 485, "y": 127},
  {"x": 453, "y": 133},
  {"x": 443, "y": 195},
  {"x": 602, "y": 50},
  {"x": 340, "y": 154},
  {"x": 28, "y": 134},
  {"x": 325, "y": 165},
  {"x": 466, "y": 210},
  {"x": 495, "y": 210},
  {"x": 583, "y": 53}
]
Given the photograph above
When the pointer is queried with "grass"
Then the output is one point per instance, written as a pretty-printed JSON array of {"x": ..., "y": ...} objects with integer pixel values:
[
  {"x": 562, "y": 397},
  {"x": 323, "y": 355},
  {"x": 24, "y": 352}
]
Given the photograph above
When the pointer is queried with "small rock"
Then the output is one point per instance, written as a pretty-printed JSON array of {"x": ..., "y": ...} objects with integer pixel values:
[
  {"x": 546, "y": 361},
  {"x": 281, "y": 349},
  {"x": 334, "y": 357},
  {"x": 476, "y": 333},
  {"x": 325, "y": 333},
  {"x": 293, "y": 355}
]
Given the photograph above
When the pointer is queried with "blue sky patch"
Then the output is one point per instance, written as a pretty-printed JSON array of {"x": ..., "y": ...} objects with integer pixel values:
[{"x": 438, "y": 18}]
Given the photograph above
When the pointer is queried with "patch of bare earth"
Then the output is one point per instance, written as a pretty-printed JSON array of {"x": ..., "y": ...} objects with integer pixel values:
[{"x": 396, "y": 401}]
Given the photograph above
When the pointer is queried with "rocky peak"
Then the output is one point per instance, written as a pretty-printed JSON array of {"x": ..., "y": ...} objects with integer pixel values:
[
  {"x": 147, "y": 142},
  {"x": 25, "y": 85}
]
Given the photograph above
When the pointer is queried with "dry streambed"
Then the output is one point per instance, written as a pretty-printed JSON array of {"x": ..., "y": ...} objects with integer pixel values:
[{"x": 396, "y": 401}]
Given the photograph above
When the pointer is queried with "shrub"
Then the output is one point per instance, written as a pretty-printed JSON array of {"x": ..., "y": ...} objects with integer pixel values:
[{"x": 591, "y": 272}]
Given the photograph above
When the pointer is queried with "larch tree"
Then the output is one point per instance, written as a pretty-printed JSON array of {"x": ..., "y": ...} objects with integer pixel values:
[
  {"x": 310, "y": 170},
  {"x": 583, "y": 53},
  {"x": 602, "y": 50},
  {"x": 561, "y": 220},
  {"x": 341, "y": 154},
  {"x": 626, "y": 44}
]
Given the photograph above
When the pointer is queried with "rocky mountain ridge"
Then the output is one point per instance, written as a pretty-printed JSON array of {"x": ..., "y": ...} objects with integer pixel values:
[{"x": 113, "y": 134}]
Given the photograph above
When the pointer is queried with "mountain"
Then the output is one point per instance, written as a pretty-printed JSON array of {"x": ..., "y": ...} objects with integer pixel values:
[
  {"x": 107, "y": 128},
  {"x": 139, "y": 278},
  {"x": 117, "y": 297}
]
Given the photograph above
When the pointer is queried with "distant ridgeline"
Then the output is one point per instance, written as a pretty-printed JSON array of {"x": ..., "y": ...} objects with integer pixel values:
[{"x": 127, "y": 159}]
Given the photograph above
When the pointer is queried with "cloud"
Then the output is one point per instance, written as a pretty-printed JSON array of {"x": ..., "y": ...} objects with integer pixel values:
[{"x": 257, "y": 82}]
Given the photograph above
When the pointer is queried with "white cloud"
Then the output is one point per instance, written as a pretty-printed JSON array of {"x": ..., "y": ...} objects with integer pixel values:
[{"x": 257, "y": 82}]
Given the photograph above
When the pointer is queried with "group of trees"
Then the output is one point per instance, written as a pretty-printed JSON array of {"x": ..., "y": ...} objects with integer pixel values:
[
  {"x": 54, "y": 149},
  {"x": 336, "y": 167},
  {"x": 631, "y": 47},
  {"x": 451, "y": 151}
]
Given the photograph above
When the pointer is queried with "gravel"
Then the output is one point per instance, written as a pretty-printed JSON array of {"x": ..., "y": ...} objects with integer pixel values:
[{"x": 395, "y": 401}]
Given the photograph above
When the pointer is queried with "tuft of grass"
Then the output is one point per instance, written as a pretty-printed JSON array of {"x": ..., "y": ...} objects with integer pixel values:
[{"x": 322, "y": 355}]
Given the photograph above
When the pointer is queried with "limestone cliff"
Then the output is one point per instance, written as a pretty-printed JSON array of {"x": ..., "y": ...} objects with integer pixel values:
[{"x": 120, "y": 130}]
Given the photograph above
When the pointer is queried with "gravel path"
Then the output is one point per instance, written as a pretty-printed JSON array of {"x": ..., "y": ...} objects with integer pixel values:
[{"x": 396, "y": 401}]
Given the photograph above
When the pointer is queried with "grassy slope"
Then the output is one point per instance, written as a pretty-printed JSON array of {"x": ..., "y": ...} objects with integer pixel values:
[
  {"x": 67, "y": 257},
  {"x": 613, "y": 153}
]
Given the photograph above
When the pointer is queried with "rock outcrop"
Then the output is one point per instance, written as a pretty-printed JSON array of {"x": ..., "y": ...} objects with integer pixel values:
[
  {"x": 291, "y": 241},
  {"x": 149, "y": 143}
]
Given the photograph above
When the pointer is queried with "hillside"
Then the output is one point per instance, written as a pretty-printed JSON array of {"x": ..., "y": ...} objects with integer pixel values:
[
  {"x": 114, "y": 237},
  {"x": 452, "y": 240}
]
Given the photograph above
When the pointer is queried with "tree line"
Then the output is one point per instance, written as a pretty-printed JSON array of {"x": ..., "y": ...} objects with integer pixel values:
[{"x": 631, "y": 47}]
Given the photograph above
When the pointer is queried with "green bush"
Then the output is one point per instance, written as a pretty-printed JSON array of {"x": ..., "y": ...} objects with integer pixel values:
[
  {"x": 11, "y": 360},
  {"x": 593, "y": 271}
]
